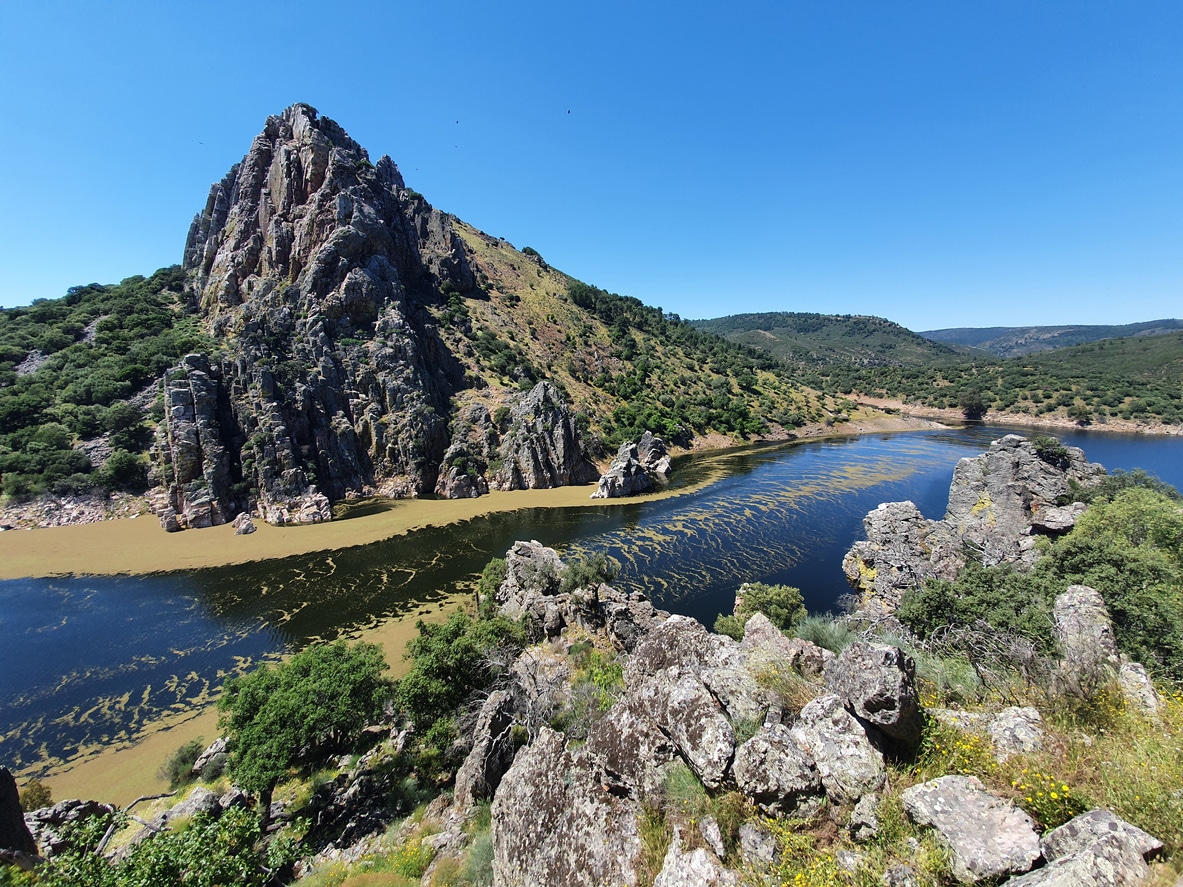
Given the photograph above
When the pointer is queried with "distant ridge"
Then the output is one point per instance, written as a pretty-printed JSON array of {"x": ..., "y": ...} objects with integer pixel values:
[
  {"x": 824, "y": 339},
  {"x": 1012, "y": 341}
]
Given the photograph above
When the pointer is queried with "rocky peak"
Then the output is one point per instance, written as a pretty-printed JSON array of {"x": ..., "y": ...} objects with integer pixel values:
[
  {"x": 307, "y": 209},
  {"x": 318, "y": 270}
]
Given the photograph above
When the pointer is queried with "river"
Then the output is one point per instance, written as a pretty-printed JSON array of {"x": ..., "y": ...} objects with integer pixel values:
[{"x": 89, "y": 662}]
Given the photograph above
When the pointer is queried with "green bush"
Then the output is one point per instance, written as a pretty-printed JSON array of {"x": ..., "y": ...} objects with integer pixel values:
[
  {"x": 782, "y": 604},
  {"x": 177, "y": 768},
  {"x": 451, "y": 662},
  {"x": 35, "y": 795},
  {"x": 320, "y": 699}
]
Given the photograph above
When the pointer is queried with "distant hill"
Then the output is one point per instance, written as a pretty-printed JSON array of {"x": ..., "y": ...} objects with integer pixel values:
[
  {"x": 817, "y": 340},
  {"x": 1013, "y": 341},
  {"x": 1137, "y": 378}
]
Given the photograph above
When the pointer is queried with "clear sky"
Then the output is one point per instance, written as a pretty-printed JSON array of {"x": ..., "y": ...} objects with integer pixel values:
[{"x": 946, "y": 163}]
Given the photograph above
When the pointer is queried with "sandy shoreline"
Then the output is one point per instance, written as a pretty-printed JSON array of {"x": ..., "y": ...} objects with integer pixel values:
[{"x": 138, "y": 545}]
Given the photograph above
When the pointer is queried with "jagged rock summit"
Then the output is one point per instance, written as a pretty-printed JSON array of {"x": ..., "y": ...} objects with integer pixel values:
[{"x": 315, "y": 269}]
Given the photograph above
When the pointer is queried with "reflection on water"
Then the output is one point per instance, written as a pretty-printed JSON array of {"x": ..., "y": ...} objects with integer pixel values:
[{"x": 90, "y": 660}]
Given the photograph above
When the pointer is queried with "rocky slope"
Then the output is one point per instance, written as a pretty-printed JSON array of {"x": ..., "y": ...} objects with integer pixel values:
[{"x": 372, "y": 344}]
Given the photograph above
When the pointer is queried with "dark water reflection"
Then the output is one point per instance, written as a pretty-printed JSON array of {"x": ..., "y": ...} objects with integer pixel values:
[{"x": 90, "y": 660}]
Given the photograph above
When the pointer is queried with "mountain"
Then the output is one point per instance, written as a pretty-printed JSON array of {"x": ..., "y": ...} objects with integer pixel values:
[
  {"x": 825, "y": 339},
  {"x": 1013, "y": 341},
  {"x": 368, "y": 343}
]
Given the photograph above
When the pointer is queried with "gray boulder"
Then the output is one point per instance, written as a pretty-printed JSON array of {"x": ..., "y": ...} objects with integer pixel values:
[
  {"x": 847, "y": 762},
  {"x": 1138, "y": 689},
  {"x": 863, "y": 824},
  {"x": 531, "y": 570},
  {"x": 877, "y": 684},
  {"x": 215, "y": 752},
  {"x": 243, "y": 525},
  {"x": 1087, "y": 642},
  {"x": 1015, "y": 731},
  {"x": 986, "y": 836},
  {"x": 652, "y": 454},
  {"x": 1080, "y": 832},
  {"x": 630, "y": 748},
  {"x": 998, "y": 503},
  {"x": 774, "y": 772},
  {"x": 626, "y": 476},
  {"x": 757, "y": 845},
  {"x": 682, "y": 707},
  {"x": 492, "y": 751},
  {"x": 995, "y": 497},
  {"x": 50, "y": 825},
  {"x": 1106, "y": 862},
  {"x": 765, "y": 645},
  {"x": 553, "y": 822},
  {"x": 696, "y": 868}
]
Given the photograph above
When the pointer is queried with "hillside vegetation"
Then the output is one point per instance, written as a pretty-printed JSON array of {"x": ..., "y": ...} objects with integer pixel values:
[
  {"x": 1013, "y": 341},
  {"x": 830, "y": 339},
  {"x": 629, "y": 367},
  {"x": 79, "y": 383},
  {"x": 1138, "y": 378}
]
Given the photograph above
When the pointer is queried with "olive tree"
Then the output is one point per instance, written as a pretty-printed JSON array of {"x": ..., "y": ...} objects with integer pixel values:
[{"x": 320, "y": 699}]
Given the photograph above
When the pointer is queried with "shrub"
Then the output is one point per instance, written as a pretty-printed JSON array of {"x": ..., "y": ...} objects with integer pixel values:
[
  {"x": 782, "y": 604},
  {"x": 35, "y": 795},
  {"x": 319, "y": 699},
  {"x": 586, "y": 573},
  {"x": 177, "y": 768}
]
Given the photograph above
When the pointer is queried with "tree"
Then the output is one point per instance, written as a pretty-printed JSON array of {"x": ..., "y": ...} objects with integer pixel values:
[
  {"x": 973, "y": 407},
  {"x": 319, "y": 699}
]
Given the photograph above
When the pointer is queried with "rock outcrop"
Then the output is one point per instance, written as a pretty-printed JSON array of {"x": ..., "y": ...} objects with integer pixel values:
[
  {"x": 999, "y": 502},
  {"x": 14, "y": 833},
  {"x": 986, "y": 836},
  {"x": 634, "y": 468},
  {"x": 553, "y": 823},
  {"x": 318, "y": 270},
  {"x": 541, "y": 448}
]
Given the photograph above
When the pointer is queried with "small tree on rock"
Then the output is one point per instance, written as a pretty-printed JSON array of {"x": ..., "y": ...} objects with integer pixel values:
[{"x": 318, "y": 700}]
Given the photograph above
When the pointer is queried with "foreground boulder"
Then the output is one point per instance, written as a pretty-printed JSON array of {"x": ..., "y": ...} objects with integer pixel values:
[
  {"x": 986, "y": 836},
  {"x": 553, "y": 822},
  {"x": 848, "y": 764},
  {"x": 774, "y": 772},
  {"x": 877, "y": 683}
]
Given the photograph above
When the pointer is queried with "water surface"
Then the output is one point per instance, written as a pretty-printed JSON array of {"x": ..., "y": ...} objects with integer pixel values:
[{"x": 90, "y": 661}]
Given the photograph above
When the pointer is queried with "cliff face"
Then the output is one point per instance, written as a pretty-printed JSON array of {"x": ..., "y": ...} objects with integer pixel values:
[{"x": 318, "y": 269}]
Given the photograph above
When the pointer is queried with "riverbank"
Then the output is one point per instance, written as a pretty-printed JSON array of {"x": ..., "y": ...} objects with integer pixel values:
[
  {"x": 118, "y": 774},
  {"x": 1053, "y": 423},
  {"x": 138, "y": 545}
]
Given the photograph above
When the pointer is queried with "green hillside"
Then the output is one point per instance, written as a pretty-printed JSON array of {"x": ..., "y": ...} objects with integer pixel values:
[
  {"x": 78, "y": 383},
  {"x": 1013, "y": 341},
  {"x": 1138, "y": 379},
  {"x": 826, "y": 339}
]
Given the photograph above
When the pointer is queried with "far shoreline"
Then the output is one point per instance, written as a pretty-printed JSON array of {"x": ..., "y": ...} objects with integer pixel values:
[{"x": 137, "y": 545}]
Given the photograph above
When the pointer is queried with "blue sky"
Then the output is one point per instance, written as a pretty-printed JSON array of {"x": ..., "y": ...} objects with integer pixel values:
[{"x": 940, "y": 164}]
